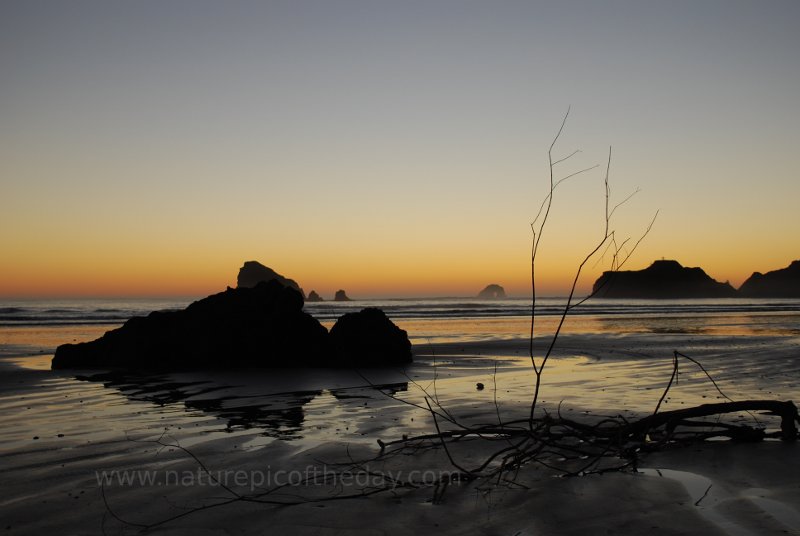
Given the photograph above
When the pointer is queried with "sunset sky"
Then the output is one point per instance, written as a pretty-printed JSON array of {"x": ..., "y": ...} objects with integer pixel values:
[{"x": 390, "y": 148}]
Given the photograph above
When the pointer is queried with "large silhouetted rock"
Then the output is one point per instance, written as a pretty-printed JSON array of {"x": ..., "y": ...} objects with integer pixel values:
[
  {"x": 253, "y": 273},
  {"x": 492, "y": 292},
  {"x": 341, "y": 296},
  {"x": 662, "y": 279},
  {"x": 783, "y": 283},
  {"x": 368, "y": 338},
  {"x": 262, "y": 326},
  {"x": 314, "y": 297}
]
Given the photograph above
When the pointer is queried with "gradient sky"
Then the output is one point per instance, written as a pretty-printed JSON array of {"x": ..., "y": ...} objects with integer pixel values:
[{"x": 387, "y": 147}]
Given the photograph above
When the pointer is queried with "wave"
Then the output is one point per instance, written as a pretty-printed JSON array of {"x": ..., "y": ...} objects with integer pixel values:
[
  {"x": 92, "y": 312},
  {"x": 80, "y": 312},
  {"x": 39, "y": 321},
  {"x": 550, "y": 307}
]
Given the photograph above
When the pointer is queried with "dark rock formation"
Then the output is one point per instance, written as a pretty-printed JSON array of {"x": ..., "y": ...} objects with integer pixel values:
[
  {"x": 253, "y": 273},
  {"x": 662, "y": 279},
  {"x": 262, "y": 326},
  {"x": 314, "y": 297},
  {"x": 368, "y": 338},
  {"x": 341, "y": 296},
  {"x": 492, "y": 292},
  {"x": 783, "y": 283}
]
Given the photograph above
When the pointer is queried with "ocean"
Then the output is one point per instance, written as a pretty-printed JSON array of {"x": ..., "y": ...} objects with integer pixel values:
[{"x": 37, "y": 327}]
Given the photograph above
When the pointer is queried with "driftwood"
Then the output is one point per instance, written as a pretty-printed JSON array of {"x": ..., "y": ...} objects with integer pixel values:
[
  {"x": 637, "y": 431},
  {"x": 672, "y": 419}
]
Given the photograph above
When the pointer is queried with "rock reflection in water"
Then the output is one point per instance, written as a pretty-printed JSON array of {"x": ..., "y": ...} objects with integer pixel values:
[{"x": 278, "y": 415}]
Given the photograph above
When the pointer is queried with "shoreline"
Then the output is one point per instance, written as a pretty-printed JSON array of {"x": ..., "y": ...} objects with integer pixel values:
[{"x": 282, "y": 420}]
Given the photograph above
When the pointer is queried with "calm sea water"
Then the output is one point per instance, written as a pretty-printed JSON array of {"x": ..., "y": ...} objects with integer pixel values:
[{"x": 36, "y": 327}]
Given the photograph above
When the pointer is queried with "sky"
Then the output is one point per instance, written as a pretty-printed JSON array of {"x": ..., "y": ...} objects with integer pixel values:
[{"x": 390, "y": 148}]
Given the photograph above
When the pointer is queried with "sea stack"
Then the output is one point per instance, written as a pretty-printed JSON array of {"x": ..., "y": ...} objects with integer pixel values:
[
  {"x": 492, "y": 292},
  {"x": 341, "y": 295},
  {"x": 313, "y": 297},
  {"x": 261, "y": 326},
  {"x": 253, "y": 273},
  {"x": 663, "y": 279}
]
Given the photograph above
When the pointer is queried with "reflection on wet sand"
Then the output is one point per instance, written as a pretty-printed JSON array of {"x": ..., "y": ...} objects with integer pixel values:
[{"x": 279, "y": 415}]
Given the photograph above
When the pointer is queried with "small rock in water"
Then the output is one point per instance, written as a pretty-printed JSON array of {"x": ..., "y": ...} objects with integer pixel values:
[{"x": 479, "y": 386}]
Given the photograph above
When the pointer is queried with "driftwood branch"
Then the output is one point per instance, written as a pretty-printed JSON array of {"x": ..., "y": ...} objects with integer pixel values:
[{"x": 671, "y": 419}]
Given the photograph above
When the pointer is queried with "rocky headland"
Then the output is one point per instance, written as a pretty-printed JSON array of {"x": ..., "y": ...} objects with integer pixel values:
[
  {"x": 668, "y": 279},
  {"x": 663, "y": 279},
  {"x": 783, "y": 283}
]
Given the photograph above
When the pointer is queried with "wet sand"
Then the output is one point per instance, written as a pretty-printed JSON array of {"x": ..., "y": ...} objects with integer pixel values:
[{"x": 67, "y": 438}]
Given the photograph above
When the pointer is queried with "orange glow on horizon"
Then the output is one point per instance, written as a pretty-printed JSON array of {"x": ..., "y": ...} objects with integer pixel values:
[
  {"x": 368, "y": 281},
  {"x": 106, "y": 278}
]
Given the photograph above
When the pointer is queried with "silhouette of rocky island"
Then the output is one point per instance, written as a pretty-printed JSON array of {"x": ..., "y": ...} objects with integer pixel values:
[
  {"x": 492, "y": 292},
  {"x": 248, "y": 326},
  {"x": 253, "y": 273},
  {"x": 341, "y": 296},
  {"x": 313, "y": 297},
  {"x": 783, "y": 283},
  {"x": 662, "y": 279},
  {"x": 259, "y": 326}
]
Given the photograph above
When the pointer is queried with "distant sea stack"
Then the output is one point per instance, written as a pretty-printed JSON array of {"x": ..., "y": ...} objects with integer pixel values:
[
  {"x": 253, "y": 272},
  {"x": 492, "y": 292},
  {"x": 661, "y": 280},
  {"x": 314, "y": 297},
  {"x": 341, "y": 296},
  {"x": 783, "y": 283}
]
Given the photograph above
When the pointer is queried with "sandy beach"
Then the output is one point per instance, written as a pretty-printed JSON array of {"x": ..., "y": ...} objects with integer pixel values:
[{"x": 79, "y": 451}]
